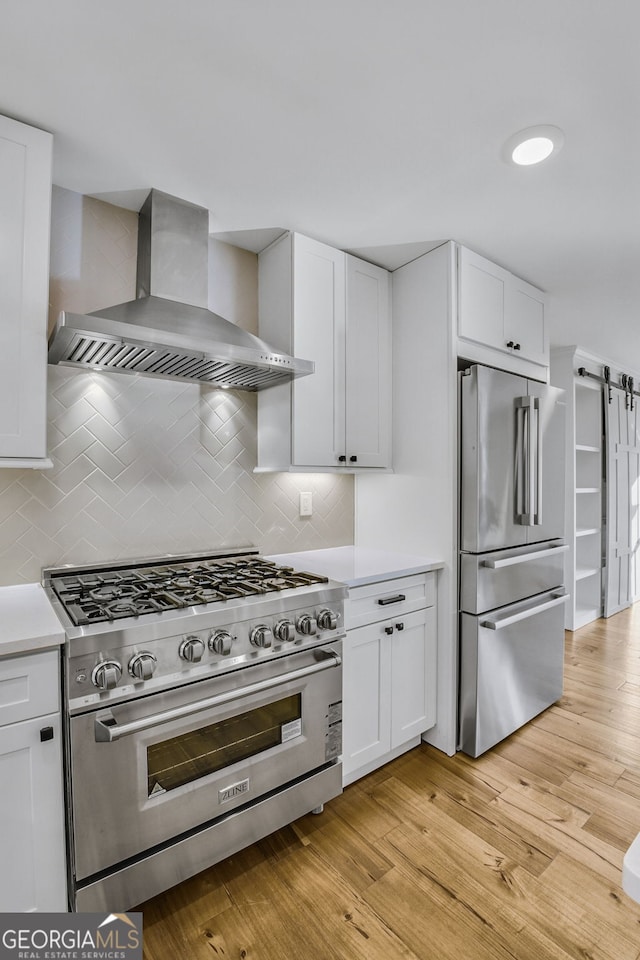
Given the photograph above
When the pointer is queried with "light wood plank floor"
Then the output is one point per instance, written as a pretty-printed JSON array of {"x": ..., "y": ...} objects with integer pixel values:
[{"x": 515, "y": 855}]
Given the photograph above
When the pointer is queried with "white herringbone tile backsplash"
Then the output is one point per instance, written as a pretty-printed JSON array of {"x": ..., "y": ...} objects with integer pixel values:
[{"x": 143, "y": 466}]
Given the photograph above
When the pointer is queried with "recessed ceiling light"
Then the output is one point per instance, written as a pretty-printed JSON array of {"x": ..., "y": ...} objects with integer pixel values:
[{"x": 533, "y": 145}]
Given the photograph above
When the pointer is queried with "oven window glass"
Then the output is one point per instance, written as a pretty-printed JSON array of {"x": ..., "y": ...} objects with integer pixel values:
[{"x": 177, "y": 761}]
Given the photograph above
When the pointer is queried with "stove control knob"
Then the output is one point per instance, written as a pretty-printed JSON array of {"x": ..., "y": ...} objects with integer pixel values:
[
  {"x": 327, "y": 620},
  {"x": 105, "y": 675},
  {"x": 261, "y": 636},
  {"x": 306, "y": 625},
  {"x": 220, "y": 642},
  {"x": 142, "y": 665},
  {"x": 192, "y": 649},
  {"x": 284, "y": 630}
]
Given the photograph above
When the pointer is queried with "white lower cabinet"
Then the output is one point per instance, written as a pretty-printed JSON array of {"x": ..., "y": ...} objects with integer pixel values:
[
  {"x": 32, "y": 845},
  {"x": 389, "y": 672}
]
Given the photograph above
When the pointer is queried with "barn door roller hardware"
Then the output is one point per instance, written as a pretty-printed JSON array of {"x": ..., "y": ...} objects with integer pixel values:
[{"x": 626, "y": 383}]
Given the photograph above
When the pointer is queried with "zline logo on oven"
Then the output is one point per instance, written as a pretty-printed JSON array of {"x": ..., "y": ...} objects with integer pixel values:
[{"x": 228, "y": 793}]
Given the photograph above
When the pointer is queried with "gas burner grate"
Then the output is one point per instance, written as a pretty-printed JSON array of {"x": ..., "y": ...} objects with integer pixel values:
[{"x": 109, "y": 595}]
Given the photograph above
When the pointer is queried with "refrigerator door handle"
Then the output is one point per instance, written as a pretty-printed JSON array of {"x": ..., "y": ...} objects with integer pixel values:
[
  {"x": 537, "y": 517},
  {"x": 499, "y": 624},
  {"x": 534, "y": 555},
  {"x": 524, "y": 462}
]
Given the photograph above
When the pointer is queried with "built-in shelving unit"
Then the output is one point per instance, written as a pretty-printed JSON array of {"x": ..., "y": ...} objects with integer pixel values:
[{"x": 584, "y": 489}]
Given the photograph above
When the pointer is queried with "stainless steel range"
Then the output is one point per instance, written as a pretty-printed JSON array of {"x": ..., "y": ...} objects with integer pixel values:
[{"x": 203, "y": 711}]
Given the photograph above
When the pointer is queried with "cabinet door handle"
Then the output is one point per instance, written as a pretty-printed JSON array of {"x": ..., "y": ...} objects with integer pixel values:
[
  {"x": 388, "y": 631},
  {"x": 353, "y": 459},
  {"x": 399, "y": 626},
  {"x": 510, "y": 344},
  {"x": 398, "y": 598},
  {"x": 342, "y": 458},
  {"x": 46, "y": 733},
  {"x": 516, "y": 346}
]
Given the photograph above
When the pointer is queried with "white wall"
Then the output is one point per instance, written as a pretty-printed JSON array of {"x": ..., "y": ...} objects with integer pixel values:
[
  {"x": 413, "y": 510},
  {"x": 144, "y": 466},
  {"x": 609, "y": 330}
]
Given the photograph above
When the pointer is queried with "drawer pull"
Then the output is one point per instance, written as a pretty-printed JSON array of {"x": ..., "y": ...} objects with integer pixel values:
[
  {"x": 524, "y": 557},
  {"x": 526, "y": 614},
  {"x": 399, "y": 597}
]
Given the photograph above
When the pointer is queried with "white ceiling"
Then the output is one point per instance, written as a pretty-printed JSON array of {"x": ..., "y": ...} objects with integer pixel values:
[{"x": 364, "y": 123}]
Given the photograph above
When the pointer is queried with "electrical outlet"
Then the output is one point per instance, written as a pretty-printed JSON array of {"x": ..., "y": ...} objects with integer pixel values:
[{"x": 306, "y": 504}]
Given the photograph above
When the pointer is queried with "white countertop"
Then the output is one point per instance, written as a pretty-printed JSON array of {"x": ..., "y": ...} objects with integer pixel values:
[
  {"x": 27, "y": 620},
  {"x": 355, "y": 566}
]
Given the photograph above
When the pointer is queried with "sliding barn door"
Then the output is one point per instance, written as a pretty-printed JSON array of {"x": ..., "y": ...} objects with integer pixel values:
[{"x": 622, "y": 573}]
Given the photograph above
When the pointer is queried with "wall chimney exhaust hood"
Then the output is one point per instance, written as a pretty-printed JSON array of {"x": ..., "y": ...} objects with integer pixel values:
[{"x": 168, "y": 331}]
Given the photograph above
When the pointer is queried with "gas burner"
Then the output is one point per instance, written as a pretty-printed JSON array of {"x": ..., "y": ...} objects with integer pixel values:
[
  {"x": 121, "y": 608},
  {"x": 180, "y": 583},
  {"x": 106, "y": 594},
  {"x": 277, "y": 583}
]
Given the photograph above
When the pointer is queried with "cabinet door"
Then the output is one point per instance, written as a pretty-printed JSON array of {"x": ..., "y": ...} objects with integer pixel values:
[
  {"x": 368, "y": 365},
  {"x": 482, "y": 287},
  {"x": 500, "y": 312},
  {"x": 25, "y": 202},
  {"x": 318, "y": 428},
  {"x": 33, "y": 876},
  {"x": 366, "y": 696},
  {"x": 413, "y": 676},
  {"x": 29, "y": 686},
  {"x": 526, "y": 320}
]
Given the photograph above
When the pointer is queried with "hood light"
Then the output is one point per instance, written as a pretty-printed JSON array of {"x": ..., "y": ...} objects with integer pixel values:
[{"x": 533, "y": 145}]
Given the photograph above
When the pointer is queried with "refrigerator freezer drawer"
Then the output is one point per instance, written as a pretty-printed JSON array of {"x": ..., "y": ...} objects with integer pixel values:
[
  {"x": 511, "y": 668},
  {"x": 492, "y": 580}
]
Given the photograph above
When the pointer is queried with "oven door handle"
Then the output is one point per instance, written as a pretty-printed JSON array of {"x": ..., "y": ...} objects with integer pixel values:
[{"x": 107, "y": 728}]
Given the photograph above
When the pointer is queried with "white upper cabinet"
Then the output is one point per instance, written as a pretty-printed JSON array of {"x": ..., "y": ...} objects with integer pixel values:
[
  {"x": 319, "y": 310},
  {"x": 502, "y": 320},
  {"x": 321, "y": 304},
  {"x": 25, "y": 205},
  {"x": 368, "y": 365}
]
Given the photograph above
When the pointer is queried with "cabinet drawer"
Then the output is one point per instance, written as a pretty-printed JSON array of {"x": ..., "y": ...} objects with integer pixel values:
[
  {"x": 29, "y": 686},
  {"x": 388, "y": 598}
]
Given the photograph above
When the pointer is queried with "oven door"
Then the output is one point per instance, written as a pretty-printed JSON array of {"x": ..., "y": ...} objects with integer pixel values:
[{"x": 147, "y": 771}]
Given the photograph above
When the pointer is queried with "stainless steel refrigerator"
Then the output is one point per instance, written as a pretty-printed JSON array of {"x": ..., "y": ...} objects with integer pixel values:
[{"x": 512, "y": 463}]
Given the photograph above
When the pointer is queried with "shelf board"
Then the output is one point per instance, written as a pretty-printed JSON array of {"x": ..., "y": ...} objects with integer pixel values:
[
  {"x": 583, "y": 573},
  {"x": 587, "y": 489},
  {"x": 586, "y": 448},
  {"x": 590, "y": 532}
]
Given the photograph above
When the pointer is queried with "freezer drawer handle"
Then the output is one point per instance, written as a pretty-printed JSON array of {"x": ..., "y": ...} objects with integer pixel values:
[
  {"x": 558, "y": 598},
  {"x": 387, "y": 600},
  {"x": 107, "y": 728},
  {"x": 534, "y": 555}
]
